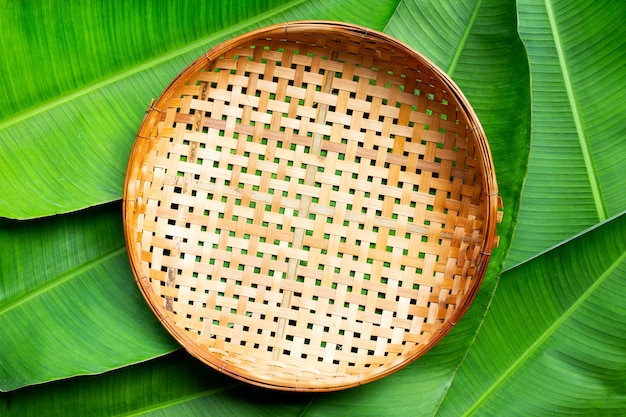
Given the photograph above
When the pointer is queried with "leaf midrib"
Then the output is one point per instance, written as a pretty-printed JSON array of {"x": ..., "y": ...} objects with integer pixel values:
[
  {"x": 577, "y": 116},
  {"x": 65, "y": 98},
  {"x": 466, "y": 33},
  {"x": 452, "y": 67},
  {"x": 62, "y": 279},
  {"x": 543, "y": 337},
  {"x": 181, "y": 400}
]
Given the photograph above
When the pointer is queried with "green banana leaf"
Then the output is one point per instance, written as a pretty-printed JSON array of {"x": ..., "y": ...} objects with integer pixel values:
[
  {"x": 569, "y": 359},
  {"x": 67, "y": 307},
  {"x": 577, "y": 61},
  {"x": 507, "y": 69},
  {"x": 82, "y": 75},
  {"x": 546, "y": 336},
  {"x": 548, "y": 345}
]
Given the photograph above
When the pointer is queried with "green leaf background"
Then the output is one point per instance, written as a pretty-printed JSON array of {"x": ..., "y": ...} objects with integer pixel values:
[{"x": 546, "y": 334}]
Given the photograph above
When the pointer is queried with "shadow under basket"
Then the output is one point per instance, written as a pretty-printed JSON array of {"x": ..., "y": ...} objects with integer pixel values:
[{"x": 310, "y": 206}]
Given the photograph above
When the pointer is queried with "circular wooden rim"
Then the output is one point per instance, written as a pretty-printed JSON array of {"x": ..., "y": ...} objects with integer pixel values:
[{"x": 470, "y": 267}]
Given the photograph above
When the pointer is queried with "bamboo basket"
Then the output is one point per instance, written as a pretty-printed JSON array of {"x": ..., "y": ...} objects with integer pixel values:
[{"x": 310, "y": 206}]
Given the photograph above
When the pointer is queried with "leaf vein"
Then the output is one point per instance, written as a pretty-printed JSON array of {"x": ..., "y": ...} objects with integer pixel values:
[
  {"x": 461, "y": 46},
  {"x": 61, "y": 279},
  {"x": 176, "y": 401},
  {"x": 543, "y": 337},
  {"x": 43, "y": 107},
  {"x": 577, "y": 115},
  {"x": 469, "y": 347}
]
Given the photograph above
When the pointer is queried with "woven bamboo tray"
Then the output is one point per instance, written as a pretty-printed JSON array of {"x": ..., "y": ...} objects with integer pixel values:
[{"x": 310, "y": 206}]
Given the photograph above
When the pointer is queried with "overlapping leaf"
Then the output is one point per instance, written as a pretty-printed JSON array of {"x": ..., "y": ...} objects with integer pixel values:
[
  {"x": 508, "y": 70},
  {"x": 575, "y": 175},
  {"x": 78, "y": 78},
  {"x": 567, "y": 358},
  {"x": 552, "y": 339},
  {"x": 68, "y": 303},
  {"x": 555, "y": 336}
]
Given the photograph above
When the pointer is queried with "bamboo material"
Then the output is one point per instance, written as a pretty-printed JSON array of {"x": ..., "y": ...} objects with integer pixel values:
[{"x": 310, "y": 206}]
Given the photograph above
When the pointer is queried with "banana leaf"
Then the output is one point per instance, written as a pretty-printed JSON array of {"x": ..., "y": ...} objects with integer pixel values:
[
  {"x": 77, "y": 79},
  {"x": 577, "y": 61},
  {"x": 508, "y": 69},
  {"x": 66, "y": 304},
  {"x": 569, "y": 359},
  {"x": 545, "y": 336}
]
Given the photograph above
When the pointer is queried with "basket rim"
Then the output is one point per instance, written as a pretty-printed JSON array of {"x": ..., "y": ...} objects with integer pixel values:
[{"x": 490, "y": 190}]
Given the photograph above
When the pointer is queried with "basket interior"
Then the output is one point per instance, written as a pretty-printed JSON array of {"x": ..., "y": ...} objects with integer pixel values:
[{"x": 306, "y": 209}]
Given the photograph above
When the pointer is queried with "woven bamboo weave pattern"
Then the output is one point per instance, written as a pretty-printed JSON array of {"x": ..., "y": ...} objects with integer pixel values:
[{"x": 309, "y": 209}]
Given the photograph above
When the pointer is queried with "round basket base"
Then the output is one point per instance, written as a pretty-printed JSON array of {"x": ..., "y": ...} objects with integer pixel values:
[{"x": 310, "y": 206}]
